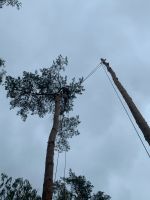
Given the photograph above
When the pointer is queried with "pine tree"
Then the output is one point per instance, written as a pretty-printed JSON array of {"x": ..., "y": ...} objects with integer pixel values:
[{"x": 45, "y": 92}]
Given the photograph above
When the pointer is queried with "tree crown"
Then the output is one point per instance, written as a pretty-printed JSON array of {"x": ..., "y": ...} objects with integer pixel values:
[
  {"x": 76, "y": 188},
  {"x": 10, "y": 2},
  {"x": 16, "y": 189},
  {"x": 35, "y": 94}
]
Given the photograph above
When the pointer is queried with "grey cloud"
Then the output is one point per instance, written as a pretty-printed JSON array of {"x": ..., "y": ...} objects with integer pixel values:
[{"x": 108, "y": 152}]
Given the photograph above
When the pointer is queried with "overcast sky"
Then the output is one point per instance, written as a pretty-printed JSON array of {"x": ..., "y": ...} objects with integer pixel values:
[{"x": 108, "y": 151}]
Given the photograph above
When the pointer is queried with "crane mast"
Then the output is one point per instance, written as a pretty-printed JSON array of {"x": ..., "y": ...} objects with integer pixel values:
[{"x": 142, "y": 124}]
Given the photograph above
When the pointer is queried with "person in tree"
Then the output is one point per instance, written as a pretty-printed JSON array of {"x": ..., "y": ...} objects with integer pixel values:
[{"x": 66, "y": 94}]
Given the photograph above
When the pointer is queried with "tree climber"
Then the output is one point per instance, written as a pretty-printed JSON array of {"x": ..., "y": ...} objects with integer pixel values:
[{"x": 65, "y": 91}]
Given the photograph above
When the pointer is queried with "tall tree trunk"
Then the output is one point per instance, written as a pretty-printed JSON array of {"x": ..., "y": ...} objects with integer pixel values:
[
  {"x": 134, "y": 110},
  {"x": 49, "y": 163}
]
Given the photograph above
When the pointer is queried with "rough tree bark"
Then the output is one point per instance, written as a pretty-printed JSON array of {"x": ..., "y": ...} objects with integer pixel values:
[
  {"x": 134, "y": 110},
  {"x": 49, "y": 163}
]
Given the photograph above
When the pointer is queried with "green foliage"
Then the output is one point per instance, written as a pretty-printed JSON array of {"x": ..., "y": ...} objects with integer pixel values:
[
  {"x": 10, "y": 3},
  {"x": 18, "y": 189},
  {"x": 70, "y": 188},
  {"x": 2, "y": 62},
  {"x": 100, "y": 196},
  {"x": 67, "y": 129},
  {"x": 34, "y": 93},
  {"x": 76, "y": 188},
  {"x": 2, "y": 71}
]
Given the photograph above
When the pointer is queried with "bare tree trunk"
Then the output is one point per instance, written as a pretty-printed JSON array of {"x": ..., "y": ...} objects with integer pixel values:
[
  {"x": 49, "y": 164},
  {"x": 134, "y": 110}
]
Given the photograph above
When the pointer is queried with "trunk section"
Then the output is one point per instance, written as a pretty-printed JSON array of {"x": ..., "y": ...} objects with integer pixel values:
[
  {"x": 49, "y": 163},
  {"x": 134, "y": 110}
]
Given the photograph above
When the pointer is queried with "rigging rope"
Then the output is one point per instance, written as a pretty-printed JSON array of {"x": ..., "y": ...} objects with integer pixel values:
[
  {"x": 126, "y": 111},
  {"x": 117, "y": 94},
  {"x": 65, "y": 176},
  {"x": 56, "y": 167},
  {"x": 57, "y": 162},
  {"x": 92, "y": 72},
  {"x": 65, "y": 164}
]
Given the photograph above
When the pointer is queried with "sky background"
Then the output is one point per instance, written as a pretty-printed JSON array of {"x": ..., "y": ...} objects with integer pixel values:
[{"x": 108, "y": 151}]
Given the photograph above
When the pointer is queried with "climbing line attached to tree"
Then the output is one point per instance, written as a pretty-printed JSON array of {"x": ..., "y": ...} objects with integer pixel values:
[
  {"x": 124, "y": 108},
  {"x": 117, "y": 94},
  {"x": 65, "y": 162},
  {"x": 56, "y": 167},
  {"x": 92, "y": 72}
]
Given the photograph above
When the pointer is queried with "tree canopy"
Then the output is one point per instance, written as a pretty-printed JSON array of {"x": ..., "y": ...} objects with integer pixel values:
[
  {"x": 34, "y": 93},
  {"x": 76, "y": 188},
  {"x": 17, "y": 189},
  {"x": 67, "y": 129},
  {"x": 10, "y": 3},
  {"x": 2, "y": 70},
  {"x": 70, "y": 188}
]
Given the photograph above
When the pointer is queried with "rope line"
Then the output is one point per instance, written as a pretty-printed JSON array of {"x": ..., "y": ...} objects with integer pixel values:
[
  {"x": 56, "y": 167},
  {"x": 65, "y": 164},
  {"x": 91, "y": 73},
  {"x": 65, "y": 176},
  {"x": 126, "y": 111},
  {"x": 57, "y": 162}
]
